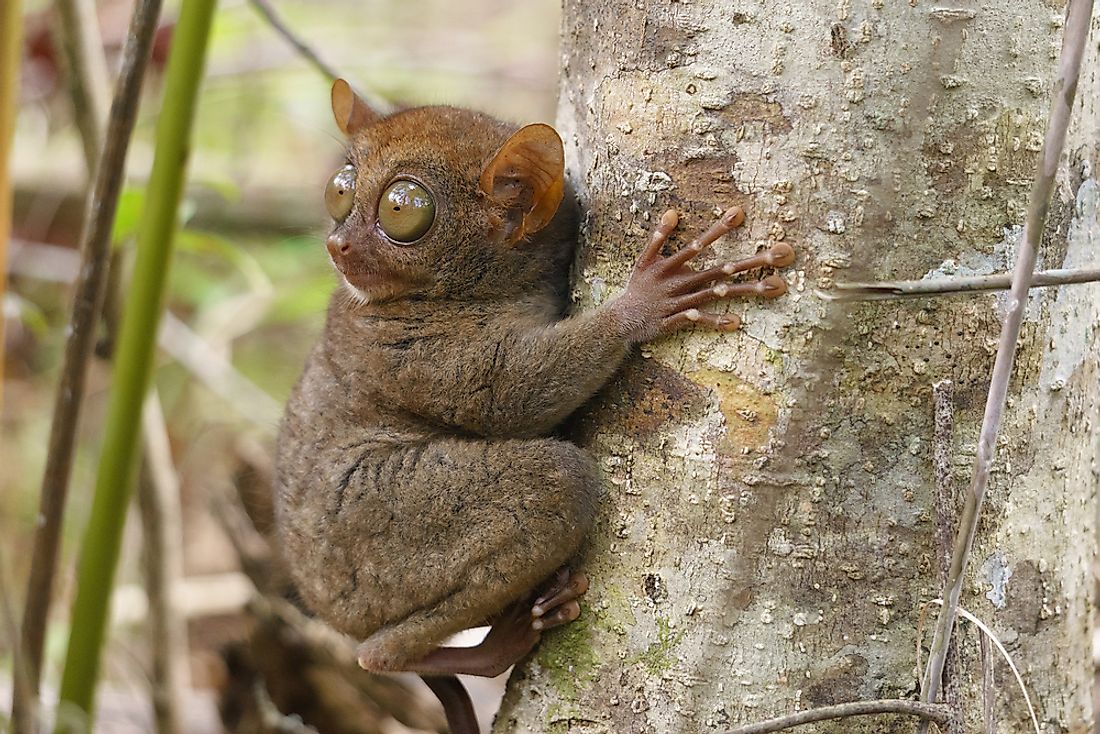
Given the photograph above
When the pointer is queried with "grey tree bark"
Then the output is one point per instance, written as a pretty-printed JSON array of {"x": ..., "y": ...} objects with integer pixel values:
[{"x": 773, "y": 526}]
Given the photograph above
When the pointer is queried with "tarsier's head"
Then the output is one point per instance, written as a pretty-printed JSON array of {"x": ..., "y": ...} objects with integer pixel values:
[{"x": 438, "y": 202}]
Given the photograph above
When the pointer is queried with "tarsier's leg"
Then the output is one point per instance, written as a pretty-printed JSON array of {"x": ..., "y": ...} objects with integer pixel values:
[
  {"x": 496, "y": 558},
  {"x": 513, "y": 633}
]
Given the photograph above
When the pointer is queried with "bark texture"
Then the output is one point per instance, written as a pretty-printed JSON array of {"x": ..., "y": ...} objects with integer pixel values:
[{"x": 770, "y": 531}]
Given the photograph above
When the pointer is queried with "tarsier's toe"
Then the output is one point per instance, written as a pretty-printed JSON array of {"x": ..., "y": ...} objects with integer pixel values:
[
  {"x": 559, "y": 615},
  {"x": 567, "y": 586}
]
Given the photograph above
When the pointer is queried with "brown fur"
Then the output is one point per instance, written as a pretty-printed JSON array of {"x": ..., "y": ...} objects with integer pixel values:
[{"x": 418, "y": 490}]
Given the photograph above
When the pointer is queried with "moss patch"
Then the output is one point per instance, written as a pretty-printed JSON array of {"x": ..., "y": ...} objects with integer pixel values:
[
  {"x": 569, "y": 660},
  {"x": 658, "y": 658}
]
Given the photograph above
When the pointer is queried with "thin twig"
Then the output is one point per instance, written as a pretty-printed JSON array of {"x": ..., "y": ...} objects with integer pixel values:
[
  {"x": 95, "y": 244},
  {"x": 1077, "y": 24},
  {"x": 159, "y": 502},
  {"x": 267, "y": 10},
  {"x": 89, "y": 84},
  {"x": 900, "y": 289},
  {"x": 989, "y": 686},
  {"x": 927, "y": 711}
]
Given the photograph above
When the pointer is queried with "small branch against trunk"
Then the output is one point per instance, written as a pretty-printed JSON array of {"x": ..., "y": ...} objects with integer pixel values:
[
  {"x": 900, "y": 289},
  {"x": 929, "y": 712},
  {"x": 1078, "y": 15},
  {"x": 948, "y": 499},
  {"x": 95, "y": 244},
  {"x": 82, "y": 46}
]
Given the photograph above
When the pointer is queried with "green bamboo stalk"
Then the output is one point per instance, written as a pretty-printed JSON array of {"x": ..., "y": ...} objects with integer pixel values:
[
  {"x": 91, "y": 286},
  {"x": 11, "y": 34},
  {"x": 133, "y": 364}
]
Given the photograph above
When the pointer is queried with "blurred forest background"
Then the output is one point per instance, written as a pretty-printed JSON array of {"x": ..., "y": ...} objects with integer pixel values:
[{"x": 249, "y": 284}]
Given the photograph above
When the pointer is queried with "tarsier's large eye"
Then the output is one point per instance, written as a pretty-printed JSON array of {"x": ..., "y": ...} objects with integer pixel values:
[
  {"x": 340, "y": 193},
  {"x": 406, "y": 210}
]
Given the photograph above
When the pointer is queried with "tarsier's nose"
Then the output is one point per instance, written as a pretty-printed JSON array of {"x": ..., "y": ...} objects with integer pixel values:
[{"x": 337, "y": 246}]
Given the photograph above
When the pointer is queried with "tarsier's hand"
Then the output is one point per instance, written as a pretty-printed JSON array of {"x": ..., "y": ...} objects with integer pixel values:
[{"x": 664, "y": 293}]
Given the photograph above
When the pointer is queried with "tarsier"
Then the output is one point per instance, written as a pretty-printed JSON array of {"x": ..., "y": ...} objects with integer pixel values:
[{"x": 420, "y": 488}]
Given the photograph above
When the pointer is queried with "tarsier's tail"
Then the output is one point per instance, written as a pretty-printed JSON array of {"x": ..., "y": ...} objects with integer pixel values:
[{"x": 456, "y": 703}]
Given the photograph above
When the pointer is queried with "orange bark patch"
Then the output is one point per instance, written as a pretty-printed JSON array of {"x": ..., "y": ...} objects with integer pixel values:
[{"x": 749, "y": 413}]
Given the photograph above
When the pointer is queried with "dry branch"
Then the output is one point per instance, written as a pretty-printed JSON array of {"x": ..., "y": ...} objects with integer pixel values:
[
  {"x": 898, "y": 289},
  {"x": 927, "y": 711},
  {"x": 268, "y": 12},
  {"x": 1078, "y": 16}
]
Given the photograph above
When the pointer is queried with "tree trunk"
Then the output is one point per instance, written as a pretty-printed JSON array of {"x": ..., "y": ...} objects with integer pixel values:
[{"x": 773, "y": 528}]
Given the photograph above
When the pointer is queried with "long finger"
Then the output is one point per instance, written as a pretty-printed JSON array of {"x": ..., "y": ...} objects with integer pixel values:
[
  {"x": 575, "y": 585},
  {"x": 668, "y": 222},
  {"x": 769, "y": 287},
  {"x": 779, "y": 255},
  {"x": 695, "y": 317},
  {"x": 731, "y": 218}
]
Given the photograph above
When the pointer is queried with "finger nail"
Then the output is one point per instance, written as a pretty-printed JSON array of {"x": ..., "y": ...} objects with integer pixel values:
[{"x": 734, "y": 216}]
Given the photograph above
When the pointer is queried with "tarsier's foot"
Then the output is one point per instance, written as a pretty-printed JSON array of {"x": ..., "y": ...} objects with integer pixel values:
[
  {"x": 667, "y": 292},
  {"x": 513, "y": 634},
  {"x": 558, "y": 605},
  {"x": 510, "y": 639}
]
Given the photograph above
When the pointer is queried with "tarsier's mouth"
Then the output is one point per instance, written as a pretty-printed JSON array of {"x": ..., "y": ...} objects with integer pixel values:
[
  {"x": 361, "y": 280},
  {"x": 372, "y": 285}
]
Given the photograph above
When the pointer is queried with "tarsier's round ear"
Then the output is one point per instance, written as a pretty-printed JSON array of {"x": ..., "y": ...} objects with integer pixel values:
[
  {"x": 351, "y": 112},
  {"x": 527, "y": 176}
]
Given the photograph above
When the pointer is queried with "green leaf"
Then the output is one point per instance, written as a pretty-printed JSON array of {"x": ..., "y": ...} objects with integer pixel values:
[{"x": 130, "y": 203}]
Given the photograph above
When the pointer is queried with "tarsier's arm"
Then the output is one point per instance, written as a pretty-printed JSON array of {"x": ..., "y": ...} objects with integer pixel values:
[{"x": 524, "y": 382}]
